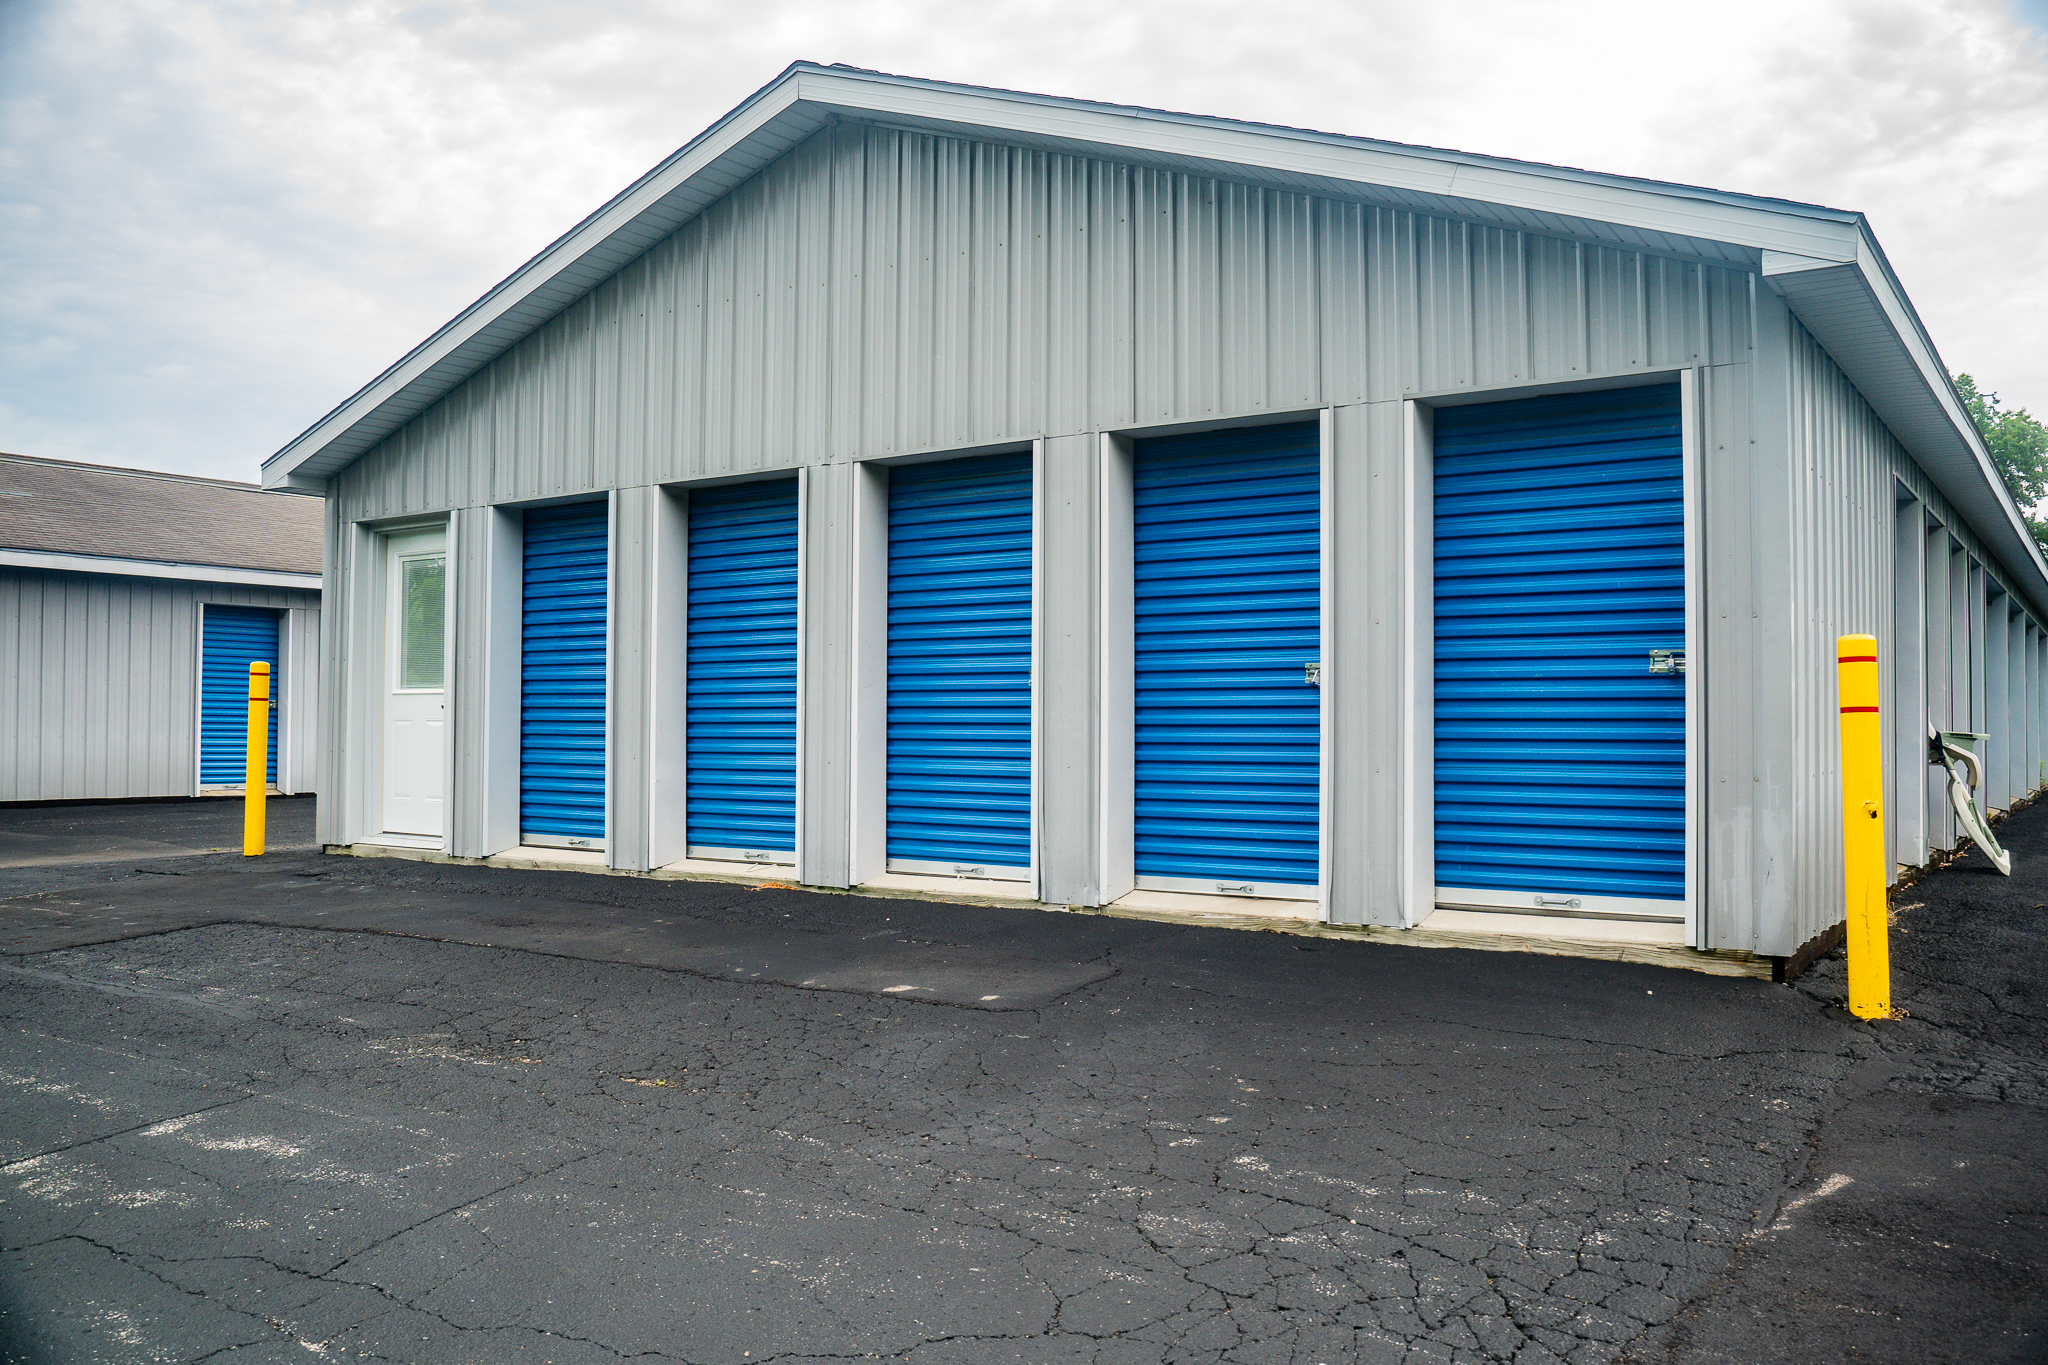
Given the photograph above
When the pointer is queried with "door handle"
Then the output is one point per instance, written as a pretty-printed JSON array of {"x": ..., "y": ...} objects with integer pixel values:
[{"x": 1667, "y": 661}]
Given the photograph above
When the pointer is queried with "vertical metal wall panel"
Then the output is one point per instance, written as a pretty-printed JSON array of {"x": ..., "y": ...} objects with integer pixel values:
[
  {"x": 1752, "y": 773},
  {"x": 1364, "y": 665},
  {"x": 1291, "y": 322},
  {"x": 960, "y": 593},
  {"x": 1112, "y": 306},
  {"x": 2036, "y": 705},
  {"x": 1500, "y": 298},
  {"x": 485, "y": 649},
  {"x": 1069, "y": 671},
  {"x": 633, "y": 584},
  {"x": 1906, "y": 694},
  {"x": 563, "y": 674},
  {"x": 1443, "y": 314},
  {"x": 2036, "y": 778},
  {"x": 1560, "y": 564},
  {"x": 1973, "y": 663},
  {"x": 350, "y": 707},
  {"x": 1343, "y": 271},
  {"x": 234, "y": 638},
  {"x": 1941, "y": 820},
  {"x": 1065, "y": 368},
  {"x": 97, "y": 681},
  {"x": 1997, "y": 793},
  {"x": 743, "y": 667},
  {"x": 1557, "y": 314},
  {"x": 2016, "y": 705},
  {"x": 301, "y": 705},
  {"x": 833, "y": 630},
  {"x": 1228, "y": 613}
]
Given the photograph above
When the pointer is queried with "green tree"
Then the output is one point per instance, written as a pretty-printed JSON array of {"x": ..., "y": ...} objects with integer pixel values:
[{"x": 2018, "y": 446}]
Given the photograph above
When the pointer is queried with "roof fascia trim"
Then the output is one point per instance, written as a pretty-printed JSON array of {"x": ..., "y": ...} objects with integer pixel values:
[
  {"x": 1678, "y": 210},
  {"x": 157, "y": 568}
]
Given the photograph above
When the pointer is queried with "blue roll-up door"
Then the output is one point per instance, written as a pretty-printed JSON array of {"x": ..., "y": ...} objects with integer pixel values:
[
  {"x": 742, "y": 671},
  {"x": 562, "y": 677},
  {"x": 960, "y": 666},
  {"x": 233, "y": 638},
  {"x": 1228, "y": 599},
  {"x": 1560, "y": 564}
]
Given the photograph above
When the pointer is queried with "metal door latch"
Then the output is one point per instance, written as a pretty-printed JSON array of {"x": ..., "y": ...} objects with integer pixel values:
[
  {"x": 1557, "y": 902},
  {"x": 1667, "y": 661},
  {"x": 1312, "y": 673},
  {"x": 1242, "y": 889},
  {"x": 963, "y": 871},
  {"x": 755, "y": 856}
]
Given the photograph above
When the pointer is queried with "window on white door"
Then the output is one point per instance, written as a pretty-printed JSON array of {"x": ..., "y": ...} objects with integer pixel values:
[{"x": 422, "y": 625}]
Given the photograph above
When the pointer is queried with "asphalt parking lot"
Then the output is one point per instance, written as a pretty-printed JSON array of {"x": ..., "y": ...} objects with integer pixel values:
[{"x": 324, "y": 1108}]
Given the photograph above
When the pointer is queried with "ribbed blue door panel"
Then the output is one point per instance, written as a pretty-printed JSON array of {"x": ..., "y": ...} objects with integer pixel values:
[
  {"x": 1560, "y": 564},
  {"x": 742, "y": 683},
  {"x": 561, "y": 713},
  {"x": 1228, "y": 582},
  {"x": 235, "y": 637},
  {"x": 960, "y": 662}
]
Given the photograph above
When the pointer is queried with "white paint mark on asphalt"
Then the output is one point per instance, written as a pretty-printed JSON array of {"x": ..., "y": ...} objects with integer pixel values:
[
  {"x": 169, "y": 1126},
  {"x": 37, "y": 1085},
  {"x": 1832, "y": 1185},
  {"x": 259, "y": 1142},
  {"x": 121, "y": 1328}
]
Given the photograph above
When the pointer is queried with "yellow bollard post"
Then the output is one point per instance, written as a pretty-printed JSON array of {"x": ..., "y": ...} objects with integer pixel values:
[
  {"x": 1863, "y": 855},
  {"x": 256, "y": 773}
]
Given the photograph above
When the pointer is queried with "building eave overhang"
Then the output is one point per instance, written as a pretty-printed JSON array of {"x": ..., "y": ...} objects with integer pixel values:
[
  {"x": 57, "y": 562},
  {"x": 1823, "y": 261}
]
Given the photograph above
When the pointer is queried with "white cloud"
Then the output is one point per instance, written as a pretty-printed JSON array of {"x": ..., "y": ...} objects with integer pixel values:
[{"x": 217, "y": 219}]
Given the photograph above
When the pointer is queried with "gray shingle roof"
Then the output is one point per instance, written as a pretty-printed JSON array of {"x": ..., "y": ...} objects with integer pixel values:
[{"x": 89, "y": 509}]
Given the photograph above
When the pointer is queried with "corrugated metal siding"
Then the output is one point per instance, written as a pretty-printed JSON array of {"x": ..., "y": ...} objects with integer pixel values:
[
  {"x": 880, "y": 291},
  {"x": 742, "y": 667},
  {"x": 97, "y": 682},
  {"x": 1227, "y": 595},
  {"x": 1560, "y": 563},
  {"x": 235, "y": 637},
  {"x": 1842, "y": 467},
  {"x": 562, "y": 675},
  {"x": 959, "y": 756}
]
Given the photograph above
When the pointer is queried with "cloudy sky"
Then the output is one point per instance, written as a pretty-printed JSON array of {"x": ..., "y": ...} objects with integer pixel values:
[{"x": 219, "y": 219}]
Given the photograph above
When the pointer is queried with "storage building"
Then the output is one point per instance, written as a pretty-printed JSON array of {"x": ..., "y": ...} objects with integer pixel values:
[
  {"x": 131, "y": 605},
  {"x": 911, "y": 485}
]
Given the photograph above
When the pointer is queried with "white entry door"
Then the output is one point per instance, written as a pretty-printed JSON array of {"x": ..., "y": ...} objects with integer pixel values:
[{"x": 415, "y": 682}]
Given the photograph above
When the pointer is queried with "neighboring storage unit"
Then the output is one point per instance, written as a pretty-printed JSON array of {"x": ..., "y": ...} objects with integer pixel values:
[
  {"x": 1560, "y": 567},
  {"x": 742, "y": 672},
  {"x": 562, "y": 677},
  {"x": 960, "y": 667},
  {"x": 1227, "y": 575},
  {"x": 235, "y": 637}
]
